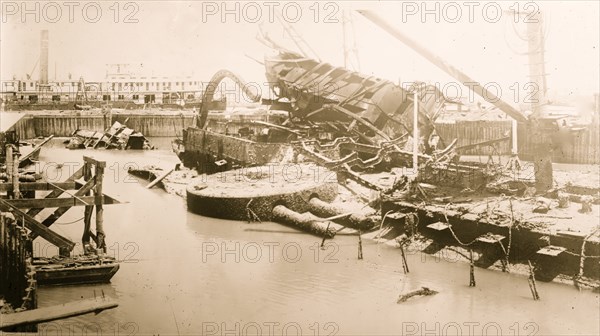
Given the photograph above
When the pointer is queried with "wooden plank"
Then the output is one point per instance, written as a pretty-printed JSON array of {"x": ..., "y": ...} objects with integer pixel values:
[
  {"x": 35, "y": 149},
  {"x": 574, "y": 234},
  {"x": 552, "y": 251},
  {"x": 38, "y": 228},
  {"x": 160, "y": 178},
  {"x": 76, "y": 175},
  {"x": 30, "y": 186},
  {"x": 93, "y": 161},
  {"x": 439, "y": 226},
  {"x": 62, "y": 202},
  {"x": 490, "y": 238},
  {"x": 56, "y": 312},
  {"x": 89, "y": 185}
]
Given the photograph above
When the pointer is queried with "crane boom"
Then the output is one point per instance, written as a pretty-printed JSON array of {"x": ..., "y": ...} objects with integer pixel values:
[{"x": 449, "y": 69}]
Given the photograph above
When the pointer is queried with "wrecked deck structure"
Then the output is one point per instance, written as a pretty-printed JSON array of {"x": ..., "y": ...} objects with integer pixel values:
[{"x": 117, "y": 136}]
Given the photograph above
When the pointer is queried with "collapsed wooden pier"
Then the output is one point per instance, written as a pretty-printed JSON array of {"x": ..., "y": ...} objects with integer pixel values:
[{"x": 79, "y": 194}]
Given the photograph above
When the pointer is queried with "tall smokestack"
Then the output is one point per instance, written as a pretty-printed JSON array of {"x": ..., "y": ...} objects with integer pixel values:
[{"x": 44, "y": 58}]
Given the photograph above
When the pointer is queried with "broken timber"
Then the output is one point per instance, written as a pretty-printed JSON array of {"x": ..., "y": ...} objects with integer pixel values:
[
  {"x": 81, "y": 197},
  {"x": 55, "y": 312},
  {"x": 424, "y": 291},
  {"x": 159, "y": 178}
]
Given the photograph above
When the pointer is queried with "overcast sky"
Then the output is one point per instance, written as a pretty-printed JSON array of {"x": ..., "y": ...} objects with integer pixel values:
[{"x": 181, "y": 38}]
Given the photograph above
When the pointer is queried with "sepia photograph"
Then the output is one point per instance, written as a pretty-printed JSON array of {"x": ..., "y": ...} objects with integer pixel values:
[{"x": 316, "y": 168}]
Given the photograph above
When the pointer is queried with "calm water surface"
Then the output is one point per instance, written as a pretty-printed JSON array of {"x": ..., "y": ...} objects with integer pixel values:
[{"x": 184, "y": 274}]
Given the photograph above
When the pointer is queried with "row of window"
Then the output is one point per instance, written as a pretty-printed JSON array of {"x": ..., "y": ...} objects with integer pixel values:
[
  {"x": 106, "y": 97},
  {"x": 165, "y": 85}
]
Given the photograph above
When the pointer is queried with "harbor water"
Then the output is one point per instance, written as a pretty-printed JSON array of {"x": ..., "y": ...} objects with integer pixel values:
[{"x": 184, "y": 274}]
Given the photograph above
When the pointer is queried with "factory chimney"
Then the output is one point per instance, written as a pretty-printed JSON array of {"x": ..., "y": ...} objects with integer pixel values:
[{"x": 44, "y": 58}]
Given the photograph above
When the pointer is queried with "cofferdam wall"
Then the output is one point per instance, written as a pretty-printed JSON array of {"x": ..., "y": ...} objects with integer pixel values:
[{"x": 63, "y": 125}]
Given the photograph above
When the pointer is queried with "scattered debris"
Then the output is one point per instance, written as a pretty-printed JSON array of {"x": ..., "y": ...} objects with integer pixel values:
[
  {"x": 586, "y": 204},
  {"x": 563, "y": 200},
  {"x": 118, "y": 136},
  {"x": 424, "y": 291}
]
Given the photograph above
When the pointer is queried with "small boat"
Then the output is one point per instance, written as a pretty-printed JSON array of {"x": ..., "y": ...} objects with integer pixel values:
[{"x": 75, "y": 270}]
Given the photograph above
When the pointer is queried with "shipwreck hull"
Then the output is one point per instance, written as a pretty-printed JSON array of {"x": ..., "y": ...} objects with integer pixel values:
[
  {"x": 324, "y": 93},
  {"x": 213, "y": 152},
  {"x": 525, "y": 241}
]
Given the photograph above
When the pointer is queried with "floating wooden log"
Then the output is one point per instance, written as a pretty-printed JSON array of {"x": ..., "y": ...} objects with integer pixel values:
[
  {"x": 286, "y": 216},
  {"x": 35, "y": 152},
  {"x": 56, "y": 312},
  {"x": 160, "y": 178},
  {"x": 424, "y": 291}
]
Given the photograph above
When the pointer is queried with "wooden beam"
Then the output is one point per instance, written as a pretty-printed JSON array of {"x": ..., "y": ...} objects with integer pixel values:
[
  {"x": 62, "y": 202},
  {"x": 55, "y": 193},
  {"x": 38, "y": 228},
  {"x": 30, "y": 186},
  {"x": 160, "y": 178},
  {"x": 93, "y": 161},
  {"x": 61, "y": 211},
  {"x": 37, "y": 148},
  {"x": 56, "y": 312}
]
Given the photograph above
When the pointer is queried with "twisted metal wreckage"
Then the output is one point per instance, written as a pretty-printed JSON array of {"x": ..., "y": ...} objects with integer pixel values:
[
  {"x": 339, "y": 119},
  {"x": 350, "y": 122},
  {"x": 357, "y": 125}
]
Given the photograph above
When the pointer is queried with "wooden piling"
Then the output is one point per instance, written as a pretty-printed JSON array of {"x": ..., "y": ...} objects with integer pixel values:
[
  {"x": 360, "y": 250},
  {"x": 100, "y": 243},
  {"x": 404, "y": 262},
  {"x": 15, "y": 176},
  {"x": 17, "y": 282},
  {"x": 531, "y": 280},
  {"x": 87, "y": 213},
  {"x": 472, "y": 282},
  {"x": 323, "y": 241},
  {"x": 9, "y": 168}
]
